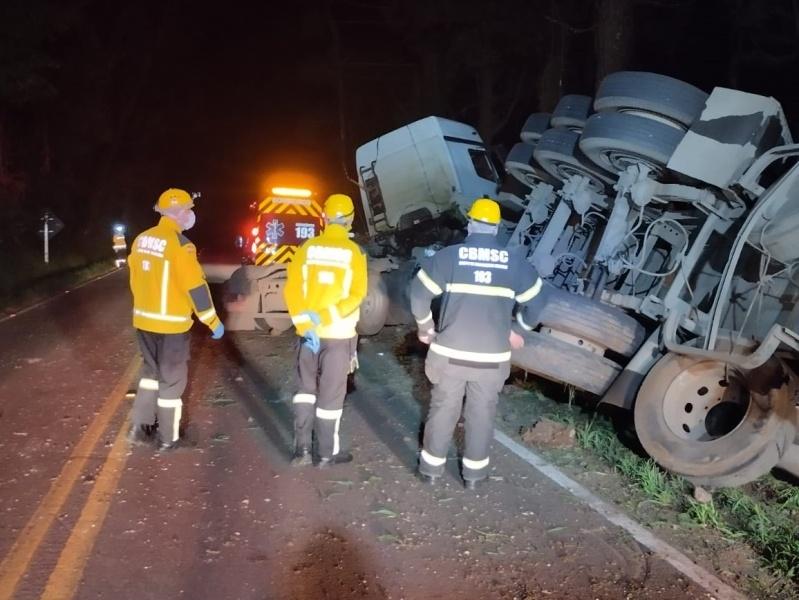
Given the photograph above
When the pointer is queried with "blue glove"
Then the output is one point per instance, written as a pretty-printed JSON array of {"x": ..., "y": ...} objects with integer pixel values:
[
  {"x": 218, "y": 332},
  {"x": 313, "y": 316},
  {"x": 312, "y": 341}
]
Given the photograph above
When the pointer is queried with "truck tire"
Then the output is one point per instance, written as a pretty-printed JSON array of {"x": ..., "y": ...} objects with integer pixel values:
[
  {"x": 397, "y": 284},
  {"x": 614, "y": 141},
  {"x": 522, "y": 165},
  {"x": 244, "y": 279},
  {"x": 652, "y": 93},
  {"x": 704, "y": 420},
  {"x": 571, "y": 112},
  {"x": 374, "y": 307},
  {"x": 559, "y": 155},
  {"x": 588, "y": 319},
  {"x": 561, "y": 361},
  {"x": 534, "y": 127}
]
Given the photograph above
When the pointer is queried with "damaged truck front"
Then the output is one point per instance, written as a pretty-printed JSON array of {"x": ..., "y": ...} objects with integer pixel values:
[{"x": 666, "y": 220}]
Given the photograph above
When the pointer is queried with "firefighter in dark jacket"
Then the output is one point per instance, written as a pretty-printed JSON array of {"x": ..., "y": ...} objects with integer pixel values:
[
  {"x": 480, "y": 283},
  {"x": 168, "y": 286}
]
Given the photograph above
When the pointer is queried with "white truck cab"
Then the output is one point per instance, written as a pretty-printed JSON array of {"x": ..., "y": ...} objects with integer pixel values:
[{"x": 420, "y": 171}]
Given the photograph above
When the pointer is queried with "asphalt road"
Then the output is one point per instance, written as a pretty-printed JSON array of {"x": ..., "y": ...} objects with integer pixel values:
[{"x": 83, "y": 515}]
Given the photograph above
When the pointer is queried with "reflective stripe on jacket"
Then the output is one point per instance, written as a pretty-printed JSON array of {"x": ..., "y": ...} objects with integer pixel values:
[
  {"x": 118, "y": 242},
  {"x": 480, "y": 282},
  {"x": 167, "y": 281},
  {"x": 328, "y": 276}
]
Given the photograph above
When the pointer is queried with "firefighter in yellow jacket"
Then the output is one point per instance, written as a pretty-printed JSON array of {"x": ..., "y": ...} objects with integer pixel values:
[
  {"x": 326, "y": 283},
  {"x": 168, "y": 286},
  {"x": 119, "y": 245}
]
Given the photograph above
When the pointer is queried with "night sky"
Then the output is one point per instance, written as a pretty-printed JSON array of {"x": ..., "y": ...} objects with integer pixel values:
[{"x": 103, "y": 105}]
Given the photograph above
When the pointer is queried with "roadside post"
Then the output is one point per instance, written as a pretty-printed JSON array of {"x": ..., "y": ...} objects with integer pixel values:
[{"x": 51, "y": 225}]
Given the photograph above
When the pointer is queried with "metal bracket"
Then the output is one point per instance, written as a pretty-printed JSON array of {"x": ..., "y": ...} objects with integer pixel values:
[
  {"x": 747, "y": 361},
  {"x": 750, "y": 179}
]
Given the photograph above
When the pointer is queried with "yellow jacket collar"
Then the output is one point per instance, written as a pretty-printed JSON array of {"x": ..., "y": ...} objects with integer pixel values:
[
  {"x": 334, "y": 230},
  {"x": 169, "y": 223}
]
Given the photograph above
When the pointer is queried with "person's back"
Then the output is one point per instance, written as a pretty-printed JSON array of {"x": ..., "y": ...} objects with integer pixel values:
[
  {"x": 119, "y": 245},
  {"x": 163, "y": 275},
  {"x": 481, "y": 282},
  {"x": 328, "y": 263}
]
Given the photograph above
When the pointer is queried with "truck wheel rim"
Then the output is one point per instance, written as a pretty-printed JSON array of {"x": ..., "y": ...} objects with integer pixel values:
[
  {"x": 566, "y": 170},
  {"x": 618, "y": 161},
  {"x": 705, "y": 402}
]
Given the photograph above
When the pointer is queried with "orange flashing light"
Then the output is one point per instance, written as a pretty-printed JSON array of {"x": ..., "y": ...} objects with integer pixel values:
[{"x": 291, "y": 192}]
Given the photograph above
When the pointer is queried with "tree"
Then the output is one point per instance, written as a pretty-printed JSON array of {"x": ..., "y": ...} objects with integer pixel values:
[{"x": 613, "y": 36}]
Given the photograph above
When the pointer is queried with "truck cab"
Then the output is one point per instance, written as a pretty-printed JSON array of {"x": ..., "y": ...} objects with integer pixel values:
[{"x": 431, "y": 170}]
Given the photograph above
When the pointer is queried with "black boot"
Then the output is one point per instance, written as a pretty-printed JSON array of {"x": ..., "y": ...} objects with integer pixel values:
[
  {"x": 302, "y": 457},
  {"x": 140, "y": 434},
  {"x": 336, "y": 459},
  {"x": 167, "y": 446},
  {"x": 427, "y": 479},
  {"x": 474, "y": 484}
]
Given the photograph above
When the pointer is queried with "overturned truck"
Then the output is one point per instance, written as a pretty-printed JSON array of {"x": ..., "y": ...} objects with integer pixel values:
[{"x": 666, "y": 219}]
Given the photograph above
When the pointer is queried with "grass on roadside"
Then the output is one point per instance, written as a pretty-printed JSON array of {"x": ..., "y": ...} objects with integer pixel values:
[
  {"x": 49, "y": 284},
  {"x": 770, "y": 528},
  {"x": 764, "y": 514}
]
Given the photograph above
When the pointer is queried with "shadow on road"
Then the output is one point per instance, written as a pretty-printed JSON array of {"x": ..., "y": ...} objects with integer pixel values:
[
  {"x": 330, "y": 567},
  {"x": 274, "y": 418},
  {"x": 381, "y": 400}
]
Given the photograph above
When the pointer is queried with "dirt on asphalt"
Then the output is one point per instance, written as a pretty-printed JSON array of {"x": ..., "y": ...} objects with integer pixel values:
[
  {"x": 227, "y": 517},
  {"x": 240, "y": 523}
]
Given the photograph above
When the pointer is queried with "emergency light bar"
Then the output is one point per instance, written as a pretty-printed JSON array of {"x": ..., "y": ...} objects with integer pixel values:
[{"x": 291, "y": 192}]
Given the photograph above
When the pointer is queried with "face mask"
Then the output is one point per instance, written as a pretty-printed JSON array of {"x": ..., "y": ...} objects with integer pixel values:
[{"x": 189, "y": 220}]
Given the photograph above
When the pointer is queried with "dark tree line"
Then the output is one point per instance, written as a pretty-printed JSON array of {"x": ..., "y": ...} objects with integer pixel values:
[
  {"x": 70, "y": 79},
  {"x": 103, "y": 104}
]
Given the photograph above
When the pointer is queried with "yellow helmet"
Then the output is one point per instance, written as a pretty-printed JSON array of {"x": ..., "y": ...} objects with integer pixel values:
[
  {"x": 484, "y": 210},
  {"x": 338, "y": 206},
  {"x": 174, "y": 198}
]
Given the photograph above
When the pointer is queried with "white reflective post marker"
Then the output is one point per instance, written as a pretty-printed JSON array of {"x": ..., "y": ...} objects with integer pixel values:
[{"x": 46, "y": 238}]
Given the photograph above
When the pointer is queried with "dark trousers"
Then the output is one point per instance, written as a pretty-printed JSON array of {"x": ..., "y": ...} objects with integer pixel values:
[
  {"x": 481, "y": 386},
  {"x": 163, "y": 380},
  {"x": 319, "y": 401}
]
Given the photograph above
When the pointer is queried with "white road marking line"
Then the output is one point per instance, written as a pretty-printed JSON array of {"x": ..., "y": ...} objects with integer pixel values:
[
  {"x": 65, "y": 578},
  {"x": 671, "y": 555},
  {"x": 16, "y": 562}
]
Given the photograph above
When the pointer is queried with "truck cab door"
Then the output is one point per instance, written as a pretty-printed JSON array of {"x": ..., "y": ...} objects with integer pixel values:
[{"x": 474, "y": 170}]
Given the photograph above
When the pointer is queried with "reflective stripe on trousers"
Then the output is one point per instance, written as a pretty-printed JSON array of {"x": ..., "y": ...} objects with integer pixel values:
[
  {"x": 451, "y": 383},
  {"x": 303, "y": 407},
  {"x": 169, "y": 412},
  {"x": 323, "y": 378},
  {"x": 164, "y": 376}
]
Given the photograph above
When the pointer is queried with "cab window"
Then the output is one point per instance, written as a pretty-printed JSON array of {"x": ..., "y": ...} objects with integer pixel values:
[{"x": 482, "y": 164}]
